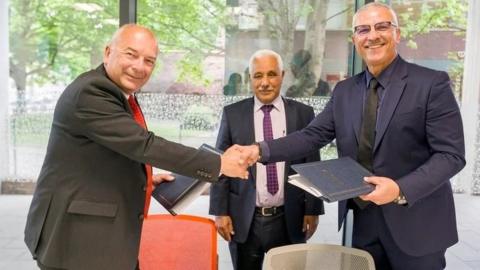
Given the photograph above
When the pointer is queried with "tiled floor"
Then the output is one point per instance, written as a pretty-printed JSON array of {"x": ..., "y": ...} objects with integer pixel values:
[{"x": 463, "y": 256}]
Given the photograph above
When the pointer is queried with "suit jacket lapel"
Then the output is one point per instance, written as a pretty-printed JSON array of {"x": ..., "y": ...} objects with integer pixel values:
[
  {"x": 290, "y": 116},
  {"x": 291, "y": 125},
  {"x": 393, "y": 92},
  {"x": 356, "y": 105},
  {"x": 249, "y": 131}
]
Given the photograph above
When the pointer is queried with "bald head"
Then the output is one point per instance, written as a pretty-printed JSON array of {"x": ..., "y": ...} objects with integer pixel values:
[
  {"x": 130, "y": 57},
  {"x": 126, "y": 30}
]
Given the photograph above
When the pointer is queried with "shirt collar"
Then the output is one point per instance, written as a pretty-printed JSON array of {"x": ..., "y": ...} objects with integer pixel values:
[
  {"x": 277, "y": 103},
  {"x": 385, "y": 75}
]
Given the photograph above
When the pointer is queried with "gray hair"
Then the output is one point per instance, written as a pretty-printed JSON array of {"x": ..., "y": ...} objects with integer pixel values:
[
  {"x": 264, "y": 52},
  {"x": 375, "y": 4}
]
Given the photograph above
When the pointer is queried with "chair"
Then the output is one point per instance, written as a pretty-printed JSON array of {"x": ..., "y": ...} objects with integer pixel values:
[
  {"x": 178, "y": 243},
  {"x": 318, "y": 257}
]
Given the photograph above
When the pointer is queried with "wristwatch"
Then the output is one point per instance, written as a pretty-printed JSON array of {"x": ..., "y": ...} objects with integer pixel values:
[{"x": 400, "y": 200}]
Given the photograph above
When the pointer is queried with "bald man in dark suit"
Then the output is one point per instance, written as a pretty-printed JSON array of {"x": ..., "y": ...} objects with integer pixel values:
[{"x": 94, "y": 187}]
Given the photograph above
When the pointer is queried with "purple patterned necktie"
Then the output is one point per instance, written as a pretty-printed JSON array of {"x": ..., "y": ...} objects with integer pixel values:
[{"x": 272, "y": 178}]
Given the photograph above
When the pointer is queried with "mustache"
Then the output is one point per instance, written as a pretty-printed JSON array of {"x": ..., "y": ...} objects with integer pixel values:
[
  {"x": 265, "y": 89},
  {"x": 374, "y": 42}
]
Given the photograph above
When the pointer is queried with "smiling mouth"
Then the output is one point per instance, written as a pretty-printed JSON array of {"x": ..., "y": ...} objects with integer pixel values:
[
  {"x": 374, "y": 46},
  {"x": 134, "y": 78}
]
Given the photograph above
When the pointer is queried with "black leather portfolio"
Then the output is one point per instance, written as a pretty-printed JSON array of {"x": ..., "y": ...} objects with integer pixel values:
[
  {"x": 332, "y": 180},
  {"x": 179, "y": 193}
]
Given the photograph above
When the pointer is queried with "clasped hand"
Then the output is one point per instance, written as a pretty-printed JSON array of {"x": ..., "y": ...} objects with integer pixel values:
[{"x": 237, "y": 159}]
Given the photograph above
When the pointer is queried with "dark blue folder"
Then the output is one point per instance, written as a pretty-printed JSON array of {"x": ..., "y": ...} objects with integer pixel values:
[
  {"x": 335, "y": 179},
  {"x": 171, "y": 194}
]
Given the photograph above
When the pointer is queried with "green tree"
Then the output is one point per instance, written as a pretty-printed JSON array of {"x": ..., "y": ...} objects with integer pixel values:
[
  {"x": 53, "y": 41},
  {"x": 445, "y": 15},
  {"x": 192, "y": 27}
]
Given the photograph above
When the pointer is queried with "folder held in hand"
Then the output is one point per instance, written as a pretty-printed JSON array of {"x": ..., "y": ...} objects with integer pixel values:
[
  {"x": 176, "y": 195},
  {"x": 332, "y": 180}
]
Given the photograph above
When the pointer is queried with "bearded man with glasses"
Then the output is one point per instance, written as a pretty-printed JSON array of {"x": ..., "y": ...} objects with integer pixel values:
[{"x": 400, "y": 121}]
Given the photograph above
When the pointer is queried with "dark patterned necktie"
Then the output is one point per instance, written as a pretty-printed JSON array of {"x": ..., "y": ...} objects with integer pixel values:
[
  {"x": 272, "y": 178},
  {"x": 138, "y": 116},
  {"x": 367, "y": 133}
]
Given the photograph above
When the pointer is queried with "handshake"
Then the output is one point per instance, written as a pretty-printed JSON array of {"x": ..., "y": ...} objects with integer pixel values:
[{"x": 236, "y": 160}]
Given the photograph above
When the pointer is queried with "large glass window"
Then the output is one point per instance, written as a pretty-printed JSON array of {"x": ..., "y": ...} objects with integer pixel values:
[
  {"x": 51, "y": 42},
  {"x": 433, "y": 35},
  {"x": 205, "y": 48}
]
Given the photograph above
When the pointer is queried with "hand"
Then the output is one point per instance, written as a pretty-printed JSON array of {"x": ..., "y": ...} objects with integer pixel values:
[
  {"x": 250, "y": 153},
  {"x": 234, "y": 163},
  {"x": 386, "y": 190},
  {"x": 224, "y": 227},
  {"x": 161, "y": 177},
  {"x": 310, "y": 224}
]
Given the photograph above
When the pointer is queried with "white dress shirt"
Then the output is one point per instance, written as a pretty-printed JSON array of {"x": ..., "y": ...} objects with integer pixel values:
[{"x": 279, "y": 128}]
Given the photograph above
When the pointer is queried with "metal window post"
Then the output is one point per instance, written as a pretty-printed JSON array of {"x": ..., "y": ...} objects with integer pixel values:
[
  {"x": 128, "y": 11},
  {"x": 4, "y": 86}
]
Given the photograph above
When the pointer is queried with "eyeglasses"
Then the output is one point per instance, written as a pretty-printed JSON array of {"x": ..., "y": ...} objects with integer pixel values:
[{"x": 381, "y": 27}]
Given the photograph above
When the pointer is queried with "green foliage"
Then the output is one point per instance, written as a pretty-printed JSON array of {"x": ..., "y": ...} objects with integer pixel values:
[
  {"x": 54, "y": 41},
  {"x": 190, "y": 26},
  {"x": 441, "y": 15},
  {"x": 437, "y": 15}
]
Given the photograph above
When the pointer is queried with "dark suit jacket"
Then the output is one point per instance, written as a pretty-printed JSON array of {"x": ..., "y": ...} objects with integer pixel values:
[
  {"x": 237, "y": 200},
  {"x": 87, "y": 209},
  {"x": 419, "y": 143}
]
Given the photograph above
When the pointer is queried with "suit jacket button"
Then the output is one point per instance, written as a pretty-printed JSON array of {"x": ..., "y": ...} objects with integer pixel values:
[{"x": 140, "y": 217}]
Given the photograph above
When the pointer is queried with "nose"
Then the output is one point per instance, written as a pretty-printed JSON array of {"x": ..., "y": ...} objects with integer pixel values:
[
  {"x": 373, "y": 34},
  {"x": 138, "y": 65},
  {"x": 264, "y": 81}
]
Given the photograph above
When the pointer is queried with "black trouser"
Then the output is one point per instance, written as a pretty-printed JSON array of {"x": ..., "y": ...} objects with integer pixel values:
[
  {"x": 370, "y": 233},
  {"x": 43, "y": 267},
  {"x": 266, "y": 232}
]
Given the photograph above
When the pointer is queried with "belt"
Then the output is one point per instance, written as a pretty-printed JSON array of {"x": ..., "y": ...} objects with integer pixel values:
[{"x": 269, "y": 211}]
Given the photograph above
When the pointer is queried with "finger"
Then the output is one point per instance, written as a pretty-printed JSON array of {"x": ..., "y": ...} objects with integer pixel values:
[
  {"x": 230, "y": 228},
  {"x": 158, "y": 178},
  {"x": 365, "y": 197},
  {"x": 308, "y": 234},
  {"x": 222, "y": 232},
  {"x": 372, "y": 180},
  {"x": 227, "y": 235},
  {"x": 167, "y": 177},
  {"x": 223, "y": 235}
]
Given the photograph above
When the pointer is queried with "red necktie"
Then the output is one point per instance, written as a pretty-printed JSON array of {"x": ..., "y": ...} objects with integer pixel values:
[{"x": 138, "y": 116}]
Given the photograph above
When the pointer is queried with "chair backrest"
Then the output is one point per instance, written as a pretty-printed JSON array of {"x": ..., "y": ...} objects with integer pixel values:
[
  {"x": 318, "y": 257},
  {"x": 178, "y": 243}
]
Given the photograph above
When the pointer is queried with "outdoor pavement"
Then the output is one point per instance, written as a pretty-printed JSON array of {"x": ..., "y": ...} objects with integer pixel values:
[{"x": 465, "y": 255}]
